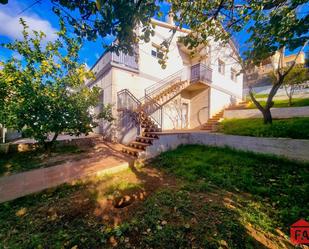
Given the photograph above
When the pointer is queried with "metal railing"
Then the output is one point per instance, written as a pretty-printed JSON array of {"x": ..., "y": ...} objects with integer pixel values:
[
  {"x": 125, "y": 59},
  {"x": 131, "y": 107},
  {"x": 201, "y": 72},
  {"x": 161, "y": 85},
  {"x": 127, "y": 101},
  {"x": 154, "y": 110}
]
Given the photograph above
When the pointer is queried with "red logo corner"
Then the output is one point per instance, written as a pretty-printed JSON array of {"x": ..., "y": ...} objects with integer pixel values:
[{"x": 300, "y": 232}]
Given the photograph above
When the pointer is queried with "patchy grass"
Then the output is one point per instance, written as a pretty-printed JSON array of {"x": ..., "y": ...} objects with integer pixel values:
[
  {"x": 297, "y": 128},
  {"x": 23, "y": 161},
  {"x": 279, "y": 186},
  {"x": 196, "y": 197},
  {"x": 280, "y": 103}
]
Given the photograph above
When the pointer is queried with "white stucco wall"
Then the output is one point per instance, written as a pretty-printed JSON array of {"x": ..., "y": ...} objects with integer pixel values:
[{"x": 150, "y": 72}]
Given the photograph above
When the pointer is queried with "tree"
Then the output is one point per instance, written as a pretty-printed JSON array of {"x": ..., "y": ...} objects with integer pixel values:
[
  {"x": 272, "y": 25},
  {"x": 297, "y": 76},
  {"x": 44, "y": 92}
]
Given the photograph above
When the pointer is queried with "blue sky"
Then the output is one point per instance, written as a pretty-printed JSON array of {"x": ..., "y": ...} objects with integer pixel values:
[{"x": 41, "y": 17}]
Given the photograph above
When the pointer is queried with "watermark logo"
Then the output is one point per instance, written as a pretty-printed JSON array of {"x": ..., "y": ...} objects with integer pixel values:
[{"x": 300, "y": 232}]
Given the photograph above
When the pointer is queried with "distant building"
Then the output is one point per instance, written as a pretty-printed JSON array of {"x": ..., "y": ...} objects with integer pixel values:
[{"x": 259, "y": 75}]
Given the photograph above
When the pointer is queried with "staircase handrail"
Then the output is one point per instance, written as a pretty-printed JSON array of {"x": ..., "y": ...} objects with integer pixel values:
[
  {"x": 158, "y": 86},
  {"x": 135, "y": 100},
  {"x": 155, "y": 113}
]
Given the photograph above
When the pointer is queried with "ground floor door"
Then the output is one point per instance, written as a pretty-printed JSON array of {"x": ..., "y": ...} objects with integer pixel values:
[{"x": 184, "y": 115}]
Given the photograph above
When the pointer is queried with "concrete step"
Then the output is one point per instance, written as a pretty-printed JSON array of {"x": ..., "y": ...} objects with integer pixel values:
[
  {"x": 150, "y": 134},
  {"x": 152, "y": 130},
  {"x": 131, "y": 151},
  {"x": 142, "y": 139},
  {"x": 139, "y": 145}
]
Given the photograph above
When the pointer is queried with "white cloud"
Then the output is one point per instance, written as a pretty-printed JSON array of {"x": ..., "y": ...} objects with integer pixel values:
[
  {"x": 87, "y": 66},
  {"x": 11, "y": 27}
]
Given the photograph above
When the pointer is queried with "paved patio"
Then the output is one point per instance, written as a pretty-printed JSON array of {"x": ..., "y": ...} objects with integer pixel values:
[{"x": 107, "y": 159}]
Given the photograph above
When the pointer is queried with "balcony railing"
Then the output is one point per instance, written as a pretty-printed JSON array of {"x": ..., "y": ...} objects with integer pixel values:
[
  {"x": 125, "y": 59},
  {"x": 201, "y": 72}
]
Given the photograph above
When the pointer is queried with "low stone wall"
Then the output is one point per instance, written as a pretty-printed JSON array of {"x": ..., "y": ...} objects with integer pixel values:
[
  {"x": 288, "y": 112},
  {"x": 295, "y": 149},
  {"x": 22, "y": 147}
]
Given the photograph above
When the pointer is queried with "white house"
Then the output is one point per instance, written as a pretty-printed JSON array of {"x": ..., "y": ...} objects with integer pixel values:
[{"x": 148, "y": 99}]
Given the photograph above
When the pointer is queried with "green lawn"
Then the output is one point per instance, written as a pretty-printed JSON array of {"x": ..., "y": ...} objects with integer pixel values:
[
  {"x": 297, "y": 102},
  {"x": 278, "y": 186},
  {"x": 196, "y": 197},
  {"x": 19, "y": 162},
  {"x": 297, "y": 128}
]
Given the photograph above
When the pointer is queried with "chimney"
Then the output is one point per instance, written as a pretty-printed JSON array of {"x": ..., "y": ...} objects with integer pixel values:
[{"x": 170, "y": 18}]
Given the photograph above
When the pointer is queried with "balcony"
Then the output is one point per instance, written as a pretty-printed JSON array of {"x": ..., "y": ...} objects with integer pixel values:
[
  {"x": 125, "y": 60},
  {"x": 201, "y": 73},
  {"x": 108, "y": 58}
]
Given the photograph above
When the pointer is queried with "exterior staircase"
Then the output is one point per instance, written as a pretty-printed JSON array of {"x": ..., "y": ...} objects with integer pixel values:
[
  {"x": 145, "y": 138},
  {"x": 212, "y": 123},
  {"x": 239, "y": 106},
  {"x": 147, "y": 111}
]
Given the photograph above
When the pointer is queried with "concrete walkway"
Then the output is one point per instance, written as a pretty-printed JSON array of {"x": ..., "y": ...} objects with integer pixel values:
[{"x": 107, "y": 160}]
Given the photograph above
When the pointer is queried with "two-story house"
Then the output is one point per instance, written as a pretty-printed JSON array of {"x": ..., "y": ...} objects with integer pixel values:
[{"x": 147, "y": 99}]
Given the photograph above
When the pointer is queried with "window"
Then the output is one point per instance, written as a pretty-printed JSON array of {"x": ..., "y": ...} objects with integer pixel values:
[
  {"x": 156, "y": 53},
  {"x": 233, "y": 75},
  {"x": 221, "y": 66}
]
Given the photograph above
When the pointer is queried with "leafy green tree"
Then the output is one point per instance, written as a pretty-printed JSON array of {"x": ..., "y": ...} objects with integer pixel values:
[
  {"x": 44, "y": 92},
  {"x": 272, "y": 25}
]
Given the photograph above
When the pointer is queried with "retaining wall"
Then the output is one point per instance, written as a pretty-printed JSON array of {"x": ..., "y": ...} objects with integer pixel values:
[
  {"x": 288, "y": 112},
  {"x": 22, "y": 147},
  {"x": 295, "y": 149}
]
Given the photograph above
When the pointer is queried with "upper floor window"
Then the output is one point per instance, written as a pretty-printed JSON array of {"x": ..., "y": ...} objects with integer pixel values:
[
  {"x": 156, "y": 53},
  {"x": 221, "y": 66},
  {"x": 233, "y": 75}
]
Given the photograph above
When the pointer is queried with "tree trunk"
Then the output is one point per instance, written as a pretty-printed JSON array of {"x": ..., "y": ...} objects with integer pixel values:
[
  {"x": 49, "y": 144},
  {"x": 290, "y": 100},
  {"x": 267, "y": 116}
]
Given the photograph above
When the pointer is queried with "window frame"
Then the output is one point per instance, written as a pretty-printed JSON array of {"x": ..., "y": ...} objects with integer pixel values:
[
  {"x": 221, "y": 63},
  {"x": 233, "y": 72}
]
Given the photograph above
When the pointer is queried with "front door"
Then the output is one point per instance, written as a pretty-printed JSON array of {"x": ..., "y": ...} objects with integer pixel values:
[{"x": 184, "y": 115}]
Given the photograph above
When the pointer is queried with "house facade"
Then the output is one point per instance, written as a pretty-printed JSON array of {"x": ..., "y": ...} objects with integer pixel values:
[
  {"x": 259, "y": 75},
  {"x": 184, "y": 95}
]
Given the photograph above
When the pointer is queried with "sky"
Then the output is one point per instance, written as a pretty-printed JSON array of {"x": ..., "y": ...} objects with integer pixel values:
[{"x": 41, "y": 17}]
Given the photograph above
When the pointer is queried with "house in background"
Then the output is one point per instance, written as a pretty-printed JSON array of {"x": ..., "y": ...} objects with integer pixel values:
[
  {"x": 259, "y": 75},
  {"x": 192, "y": 91}
]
